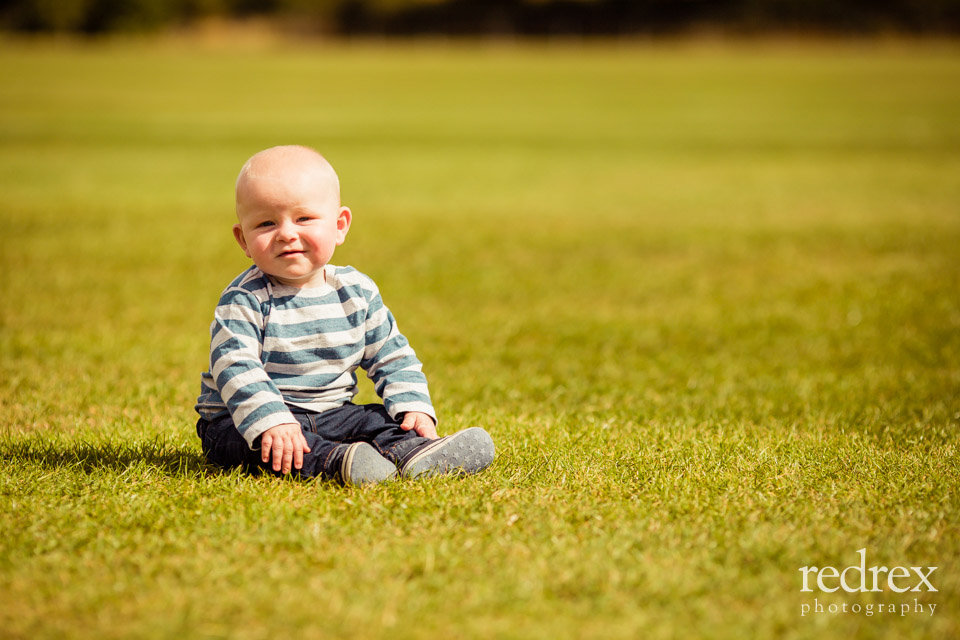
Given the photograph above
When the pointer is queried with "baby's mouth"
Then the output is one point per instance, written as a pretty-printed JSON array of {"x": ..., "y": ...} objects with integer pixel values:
[{"x": 285, "y": 254}]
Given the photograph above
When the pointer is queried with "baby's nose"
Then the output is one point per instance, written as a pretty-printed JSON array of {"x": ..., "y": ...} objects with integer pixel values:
[{"x": 286, "y": 231}]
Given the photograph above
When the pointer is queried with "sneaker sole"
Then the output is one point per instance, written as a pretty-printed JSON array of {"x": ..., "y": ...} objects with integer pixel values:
[
  {"x": 363, "y": 465},
  {"x": 464, "y": 452}
]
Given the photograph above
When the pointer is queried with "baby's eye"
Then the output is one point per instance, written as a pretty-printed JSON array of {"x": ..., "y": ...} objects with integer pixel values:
[
  {"x": 304, "y": 218},
  {"x": 265, "y": 223}
]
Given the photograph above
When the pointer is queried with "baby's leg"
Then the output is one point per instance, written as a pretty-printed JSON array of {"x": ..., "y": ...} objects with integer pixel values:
[
  {"x": 464, "y": 452},
  {"x": 371, "y": 423},
  {"x": 349, "y": 463},
  {"x": 224, "y": 446}
]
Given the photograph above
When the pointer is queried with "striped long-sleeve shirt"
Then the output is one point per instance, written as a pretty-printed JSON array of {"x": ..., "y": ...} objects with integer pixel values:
[{"x": 273, "y": 347}]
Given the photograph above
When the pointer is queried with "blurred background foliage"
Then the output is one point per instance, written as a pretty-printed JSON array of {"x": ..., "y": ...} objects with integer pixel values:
[{"x": 494, "y": 17}]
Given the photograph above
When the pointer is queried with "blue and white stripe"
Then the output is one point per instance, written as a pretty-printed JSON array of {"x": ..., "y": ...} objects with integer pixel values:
[{"x": 273, "y": 347}]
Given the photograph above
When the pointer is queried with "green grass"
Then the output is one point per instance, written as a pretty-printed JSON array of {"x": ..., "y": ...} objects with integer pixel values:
[{"x": 706, "y": 299}]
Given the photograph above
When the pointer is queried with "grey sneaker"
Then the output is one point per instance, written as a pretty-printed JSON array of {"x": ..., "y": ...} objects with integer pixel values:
[
  {"x": 363, "y": 465},
  {"x": 467, "y": 451}
]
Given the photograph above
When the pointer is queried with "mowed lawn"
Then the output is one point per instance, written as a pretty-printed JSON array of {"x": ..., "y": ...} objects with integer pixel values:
[{"x": 705, "y": 297}]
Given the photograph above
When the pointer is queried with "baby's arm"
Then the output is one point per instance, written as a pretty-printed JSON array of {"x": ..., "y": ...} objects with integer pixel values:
[
  {"x": 255, "y": 404},
  {"x": 396, "y": 372}
]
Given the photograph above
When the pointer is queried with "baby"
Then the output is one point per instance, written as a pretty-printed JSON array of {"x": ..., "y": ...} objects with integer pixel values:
[{"x": 288, "y": 335}]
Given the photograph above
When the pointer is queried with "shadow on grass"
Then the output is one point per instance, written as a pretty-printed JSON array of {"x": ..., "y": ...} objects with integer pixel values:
[{"x": 170, "y": 459}]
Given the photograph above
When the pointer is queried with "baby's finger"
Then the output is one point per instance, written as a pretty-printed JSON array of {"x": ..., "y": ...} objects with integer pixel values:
[
  {"x": 265, "y": 443},
  {"x": 299, "y": 449},
  {"x": 298, "y": 453},
  {"x": 298, "y": 456},
  {"x": 277, "y": 453},
  {"x": 409, "y": 422},
  {"x": 426, "y": 430},
  {"x": 287, "y": 455}
]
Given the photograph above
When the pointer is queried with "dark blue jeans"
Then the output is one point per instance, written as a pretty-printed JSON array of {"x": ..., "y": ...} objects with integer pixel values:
[{"x": 328, "y": 434}]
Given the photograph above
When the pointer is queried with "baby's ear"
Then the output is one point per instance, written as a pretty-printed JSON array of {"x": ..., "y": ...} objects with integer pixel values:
[
  {"x": 344, "y": 218},
  {"x": 238, "y": 236}
]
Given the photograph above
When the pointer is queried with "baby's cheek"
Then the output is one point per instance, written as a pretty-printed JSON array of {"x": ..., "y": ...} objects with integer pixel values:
[
  {"x": 320, "y": 245},
  {"x": 260, "y": 251}
]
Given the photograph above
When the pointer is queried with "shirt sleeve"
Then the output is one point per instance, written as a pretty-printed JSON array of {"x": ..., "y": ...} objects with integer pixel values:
[
  {"x": 236, "y": 336},
  {"x": 391, "y": 363}
]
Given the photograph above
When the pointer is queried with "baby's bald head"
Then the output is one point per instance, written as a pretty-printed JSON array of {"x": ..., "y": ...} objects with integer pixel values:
[
  {"x": 286, "y": 165},
  {"x": 289, "y": 216}
]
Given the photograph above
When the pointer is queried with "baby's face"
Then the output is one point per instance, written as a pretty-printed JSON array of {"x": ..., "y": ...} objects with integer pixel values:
[{"x": 290, "y": 222}]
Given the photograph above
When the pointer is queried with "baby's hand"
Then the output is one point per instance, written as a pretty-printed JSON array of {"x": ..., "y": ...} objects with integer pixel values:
[
  {"x": 285, "y": 444},
  {"x": 421, "y": 423}
]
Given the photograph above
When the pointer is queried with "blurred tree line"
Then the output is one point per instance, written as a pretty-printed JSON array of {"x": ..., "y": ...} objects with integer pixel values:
[{"x": 494, "y": 17}]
